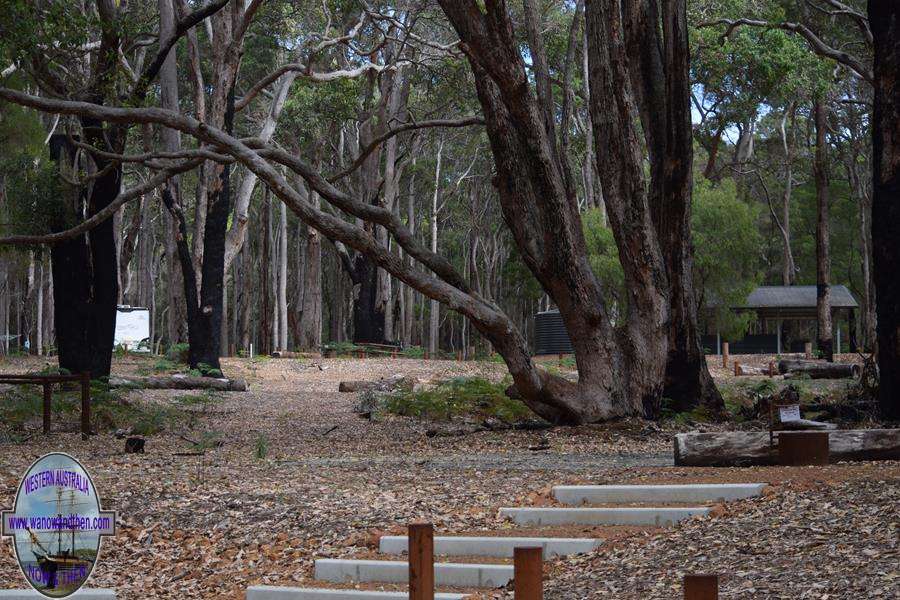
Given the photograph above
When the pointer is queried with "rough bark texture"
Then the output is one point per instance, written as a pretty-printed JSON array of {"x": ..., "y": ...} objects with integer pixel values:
[
  {"x": 884, "y": 17},
  {"x": 824, "y": 339},
  {"x": 85, "y": 276},
  {"x": 638, "y": 69},
  {"x": 745, "y": 448},
  {"x": 180, "y": 382}
]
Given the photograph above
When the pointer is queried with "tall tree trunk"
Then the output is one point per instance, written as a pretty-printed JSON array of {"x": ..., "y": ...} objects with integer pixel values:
[
  {"x": 435, "y": 310},
  {"x": 408, "y": 292},
  {"x": 310, "y": 326},
  {"x": 265, "y": 312},
  {"x": 282, "y": 279},
  {"x": 824, "y": 339},
  {"x": 884, "y": 19},
  {"x": 788, "y": 269},
  {"x": 85, "y": 272},
  {"x": 171, "y": 142}
]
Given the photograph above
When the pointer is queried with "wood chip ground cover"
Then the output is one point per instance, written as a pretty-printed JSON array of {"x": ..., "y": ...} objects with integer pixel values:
[{"x": 208, "y": 526}]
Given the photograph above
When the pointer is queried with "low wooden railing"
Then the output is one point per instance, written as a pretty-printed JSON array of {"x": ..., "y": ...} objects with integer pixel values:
[{"x": 46, "y": 382}]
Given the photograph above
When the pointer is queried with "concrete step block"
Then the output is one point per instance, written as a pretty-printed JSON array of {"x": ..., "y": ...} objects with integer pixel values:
[
  {"x": 694, "y": 492},
  {"x": 500, "y": 547},
  {"x": 659, "y": 517},
  {"x": 394, "y": 571},
  {"x": 270, "y": 592}
]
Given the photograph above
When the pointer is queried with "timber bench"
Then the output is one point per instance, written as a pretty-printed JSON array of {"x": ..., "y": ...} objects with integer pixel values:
[{"x": 46, "y": 382}]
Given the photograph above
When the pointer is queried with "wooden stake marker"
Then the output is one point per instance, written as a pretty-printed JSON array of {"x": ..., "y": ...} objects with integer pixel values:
[
  {"x": 529, "y": 573},
  {"x": 724, "y": 355},
  {"x": 421, "y": 561},
  {"x": 48, "y": 403},
  {"x": 701, "y": 587},
  {"x": 85, "y": 405}
]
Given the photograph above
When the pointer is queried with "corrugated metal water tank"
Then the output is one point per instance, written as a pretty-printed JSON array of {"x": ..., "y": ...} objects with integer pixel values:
[{"x": 550, "y": 335}]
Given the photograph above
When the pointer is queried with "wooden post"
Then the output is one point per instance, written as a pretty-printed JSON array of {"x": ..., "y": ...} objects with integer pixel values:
[
  {"x": 807, "y": 348},
  {"x": 772, "y": 369},
  {"x": 560, "y": 360},
  {"x": 737, "y": 369},
  {"x": 701, "y": 587},
  {"x": 796, "y": 448},
  {"x": 529, "y": 573},
  {"x": 48, "y": 402},
  {"x": 85, "y": 405},
  {"x": 421, "y": 561},
  {"x": 724, "y": 355},
  {"x": 425, "y": 355}
]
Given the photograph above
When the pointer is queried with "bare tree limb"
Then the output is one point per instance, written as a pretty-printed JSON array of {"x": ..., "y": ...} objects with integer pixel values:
[
  {"x": 462, "y": 122},
  {"x": 107, "y": 212},
  {"x": 165, "y": 46}
]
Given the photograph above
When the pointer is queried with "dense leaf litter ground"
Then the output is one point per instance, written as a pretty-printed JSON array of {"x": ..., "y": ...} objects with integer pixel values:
[{"x": 209, "y": 525}]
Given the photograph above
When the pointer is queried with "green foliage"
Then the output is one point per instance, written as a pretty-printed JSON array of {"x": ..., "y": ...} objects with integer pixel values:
[
  {"x": 726, "y": 255},
  {"x": 36, "y": 195},
  {"x": 459, "y": 397},
  {"x": 151, "y": 422},
  {"x": 261, "y": 446},
  {"x": 178, "y": 353},
  {"x": 208, "y": 440},
  {"x": 413, "y": 352}
]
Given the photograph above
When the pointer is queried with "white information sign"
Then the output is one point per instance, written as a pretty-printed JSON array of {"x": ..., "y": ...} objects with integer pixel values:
[
  {"x": 789, "y": 413},
  {"x": 132, "y": 328}
]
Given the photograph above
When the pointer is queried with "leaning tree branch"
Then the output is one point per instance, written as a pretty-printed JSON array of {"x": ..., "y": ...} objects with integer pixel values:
[
  {"x": 486, "y": 317},
  {"x": 165, "y": 46},
  {"x": 106, "y": 213},
  {"x": 815, "y": 43},
  {"x": 306, "y": 72},
  {"x": 463, "y": 122}
]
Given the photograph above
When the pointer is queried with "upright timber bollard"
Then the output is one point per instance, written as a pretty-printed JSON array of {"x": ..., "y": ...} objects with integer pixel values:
[
  {"x": 48, "y": 404},
  {"x": 701, "y": 587},
  {"x": 724, "y": 355},
  {"x": 807, "y": 349},
  {"x": 421, "y": 561},
  {"x": 737, "y": 369},
  {"x": 797, "y": 448},
  {"x": 85, "y": 405},
  {"x": 772, "y": 369},
  {"x": 529, "y": 573}
]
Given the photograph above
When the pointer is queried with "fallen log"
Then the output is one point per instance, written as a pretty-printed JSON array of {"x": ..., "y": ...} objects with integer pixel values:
[
  {"x": 817, "y": 369},
  {"x": 179, "y": 382},
  {"x": 287, "y": 354},
  {"x": 746, "y": 448},
  {"x": 391, "y": 384},
  {"x": 356, "y": 386}
]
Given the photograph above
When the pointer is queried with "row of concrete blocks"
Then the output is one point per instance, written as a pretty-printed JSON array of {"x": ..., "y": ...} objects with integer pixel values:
[{"x": 494, "y": 575}]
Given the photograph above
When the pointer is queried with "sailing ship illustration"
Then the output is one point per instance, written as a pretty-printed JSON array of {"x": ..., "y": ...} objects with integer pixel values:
[{"x": 69, "y": 564}]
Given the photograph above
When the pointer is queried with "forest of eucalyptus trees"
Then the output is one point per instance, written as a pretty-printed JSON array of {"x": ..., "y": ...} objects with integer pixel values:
[{"x": 288, "y": 174}]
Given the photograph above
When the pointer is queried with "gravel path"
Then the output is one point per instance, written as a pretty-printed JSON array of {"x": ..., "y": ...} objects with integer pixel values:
[{"x": 208, "y": 526}]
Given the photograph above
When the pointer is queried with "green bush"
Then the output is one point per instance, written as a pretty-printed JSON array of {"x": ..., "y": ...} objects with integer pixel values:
[
  {"x": 261, "y": 447},
  {"x": 179, "y": 353},
  {"x": 461, "y": 396}
]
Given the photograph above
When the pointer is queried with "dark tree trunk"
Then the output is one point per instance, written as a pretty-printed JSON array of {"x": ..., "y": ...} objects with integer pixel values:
[
  {"x": 265, "y": 315},
  {"x": 884, "y": 19},
  {"x": 206, "y": 346},
  {"x": 85, "y": 275},
  {"x": 205, "y": 308},
  {"x": 638, "y": 70},
  {"x": 368, "y": 315},
  {"x": 824, "y": 340}
]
